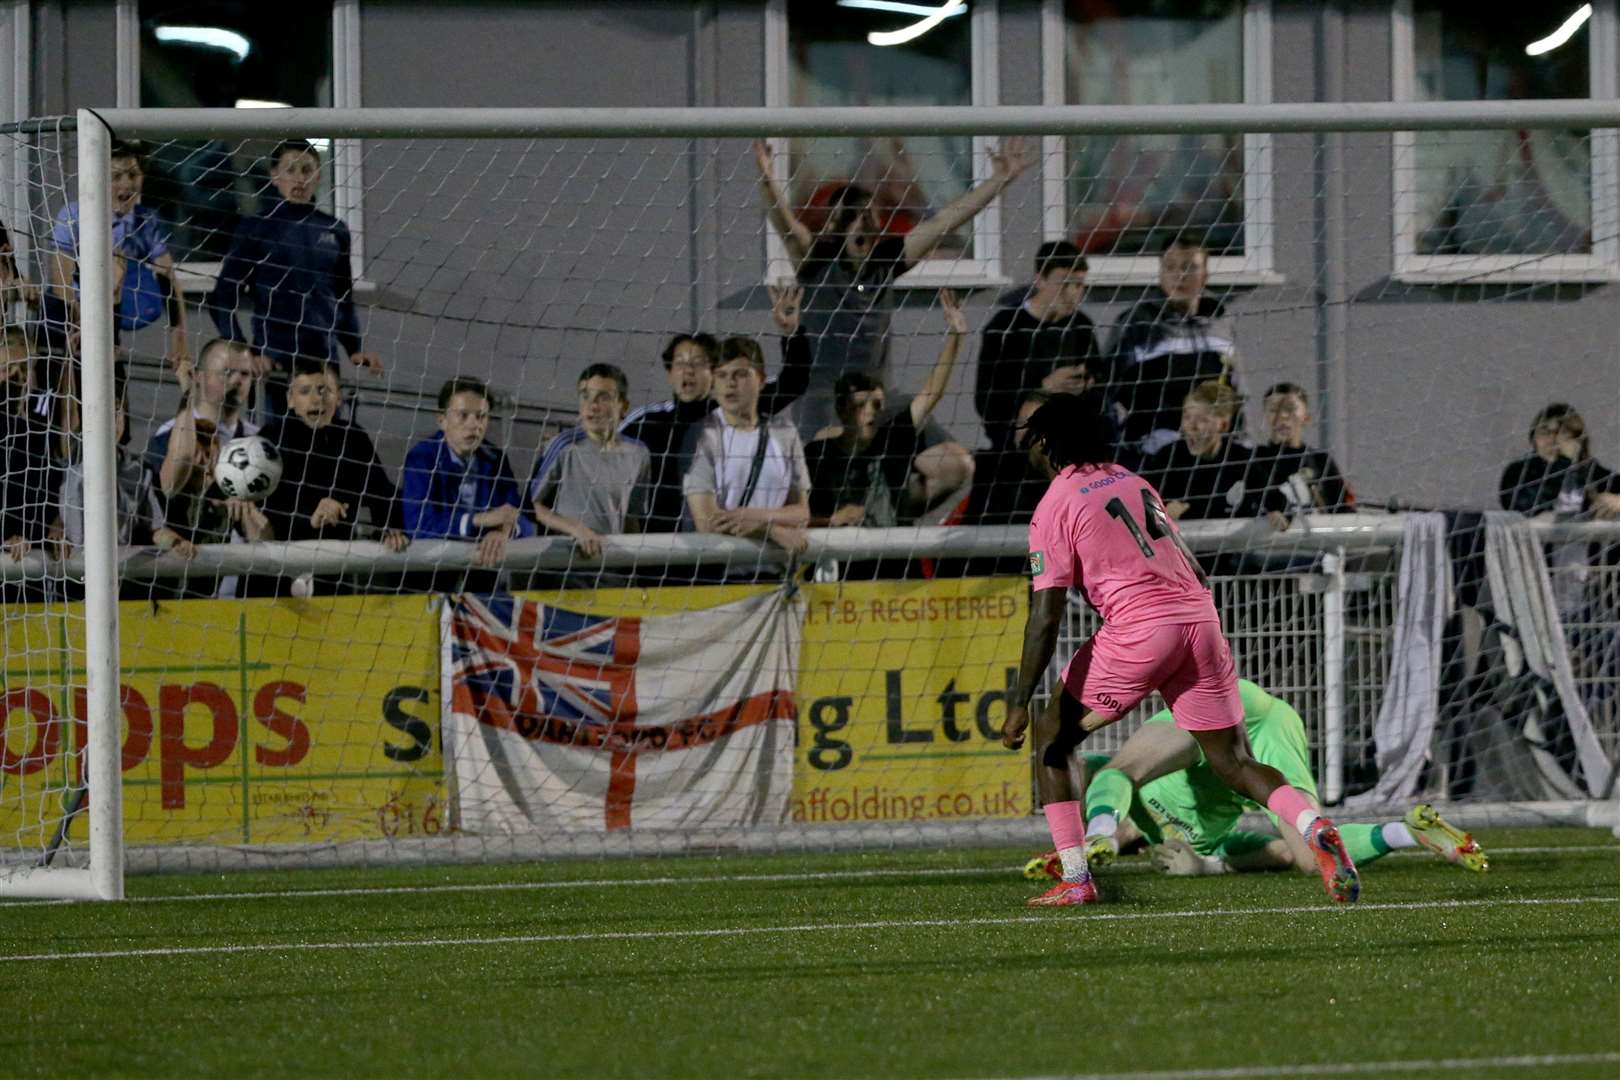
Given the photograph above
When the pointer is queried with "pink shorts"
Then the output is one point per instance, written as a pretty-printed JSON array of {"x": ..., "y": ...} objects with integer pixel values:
[{"x": 1189, "y": 663}]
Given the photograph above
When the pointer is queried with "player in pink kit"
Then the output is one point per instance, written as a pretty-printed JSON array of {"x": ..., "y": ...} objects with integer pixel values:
[{"x": 1102, "y": 529}]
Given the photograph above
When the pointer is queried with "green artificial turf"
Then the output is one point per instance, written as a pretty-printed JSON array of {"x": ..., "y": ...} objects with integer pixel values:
[{"x": 730, "y": 967}]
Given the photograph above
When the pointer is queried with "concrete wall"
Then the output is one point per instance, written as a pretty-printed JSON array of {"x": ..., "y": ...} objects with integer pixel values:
[{"x": 522, "y": 262}]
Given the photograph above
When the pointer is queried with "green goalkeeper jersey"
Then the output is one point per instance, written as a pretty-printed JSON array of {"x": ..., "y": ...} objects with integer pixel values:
[{"x": 1197, "y": 804}]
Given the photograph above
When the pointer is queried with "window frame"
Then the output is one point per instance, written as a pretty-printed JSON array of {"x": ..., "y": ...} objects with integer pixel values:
[
  {"x": 16, "y": 104},
  {"x": 345, "y": 164},
  {"x": 1601, "y": 264},
  {"x": 984, "y": 269},
  {"x": 1257, "y": 264}
]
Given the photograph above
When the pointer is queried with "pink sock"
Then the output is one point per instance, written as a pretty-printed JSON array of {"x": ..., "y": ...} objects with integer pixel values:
[
  {"x": 1293, "y": 807},
  {"x": 1063, "y": 818}
]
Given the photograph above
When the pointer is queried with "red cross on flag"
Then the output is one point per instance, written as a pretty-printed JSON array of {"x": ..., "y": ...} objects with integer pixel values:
[{"x": 562, "y": 721}]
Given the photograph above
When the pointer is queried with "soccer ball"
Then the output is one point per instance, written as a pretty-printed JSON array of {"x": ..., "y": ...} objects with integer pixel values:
[{"x": 248, "y": 468}]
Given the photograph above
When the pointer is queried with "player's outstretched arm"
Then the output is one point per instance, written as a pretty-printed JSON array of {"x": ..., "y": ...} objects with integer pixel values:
[{"x": 1046, "y": 607}]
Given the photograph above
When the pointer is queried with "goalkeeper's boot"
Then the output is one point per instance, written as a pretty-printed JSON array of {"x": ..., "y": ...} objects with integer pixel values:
[
  {"x": 1339, "y": 875},
  {"x": 1447, "y": 841},
  {"x": 1101, "y": 851},
  {"x": 1067, "y": 894},
  {"x": 1044, "y": 866}
]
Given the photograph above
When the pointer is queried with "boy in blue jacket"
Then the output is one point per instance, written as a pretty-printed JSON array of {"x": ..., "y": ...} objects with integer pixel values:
[{"x": 459, "y": 487}]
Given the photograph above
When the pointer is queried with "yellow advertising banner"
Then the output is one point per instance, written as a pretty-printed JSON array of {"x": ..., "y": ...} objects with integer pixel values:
[
  {"x": 902, "y": 690},
  {"x": 308, "y": 721},
  {"x": 245, "y": 722}
]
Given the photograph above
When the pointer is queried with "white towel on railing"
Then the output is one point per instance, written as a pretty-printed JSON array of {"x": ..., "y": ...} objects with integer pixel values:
[
  {"x": 1411, "y": 705},
  {"x": 1522, "y": 597}
]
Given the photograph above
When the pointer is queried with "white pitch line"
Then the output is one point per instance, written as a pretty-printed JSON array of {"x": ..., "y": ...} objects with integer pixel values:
[
  {"x": 799, "y": 928},
  {"x": 1355, "y": 1068},
  {"x": 1572, "y": 849},
  {"x": 694, "y": 879},
  {"x": 523, "y": 886}
]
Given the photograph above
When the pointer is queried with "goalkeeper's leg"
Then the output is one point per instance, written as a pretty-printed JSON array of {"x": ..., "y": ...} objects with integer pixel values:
[
  {"x": 1421, "y": 827},
  {"x": 1156, "y": 749},
  {"x": 1228, "y": 754},
  {"x": 1429, "y": 830}
]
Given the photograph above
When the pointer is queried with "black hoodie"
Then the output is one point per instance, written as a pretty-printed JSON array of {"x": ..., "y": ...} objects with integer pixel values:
[{"x": 337, "y": 461}]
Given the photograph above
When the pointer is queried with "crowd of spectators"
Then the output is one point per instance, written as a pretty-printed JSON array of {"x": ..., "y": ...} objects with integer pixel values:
[{"x": 827, "y": 442}]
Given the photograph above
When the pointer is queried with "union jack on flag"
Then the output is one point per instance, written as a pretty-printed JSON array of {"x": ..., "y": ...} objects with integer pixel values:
[{"x": 537, "y": 669}]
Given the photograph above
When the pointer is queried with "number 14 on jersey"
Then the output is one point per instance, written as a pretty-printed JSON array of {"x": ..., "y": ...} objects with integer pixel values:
[{"x": 1158, "y": 527}]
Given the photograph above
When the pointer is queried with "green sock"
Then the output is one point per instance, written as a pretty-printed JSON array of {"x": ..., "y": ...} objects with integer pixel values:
[
  {"x": 1365, "y": 843},
  {"x": 1108, "y": 793}
]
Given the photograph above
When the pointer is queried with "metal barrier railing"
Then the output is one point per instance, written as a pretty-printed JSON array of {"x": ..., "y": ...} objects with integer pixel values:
[
  {"x": 1309, "y": 612},
  {"x": 1362, "y": 534}
]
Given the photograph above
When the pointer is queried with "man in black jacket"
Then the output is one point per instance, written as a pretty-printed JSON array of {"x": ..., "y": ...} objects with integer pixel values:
[
  {"x": 1202, "y": 475},
  {"x": 1169, "y": 342},
  {"x": 1287, "y": 477},
  {"x": 292, "y": 262},
  {"x": 1044, "y": 343},
  {"x": 329, "y": 467}
]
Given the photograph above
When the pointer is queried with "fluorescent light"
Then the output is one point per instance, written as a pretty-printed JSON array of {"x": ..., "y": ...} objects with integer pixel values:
[
  {"x": 1562, "y": 34},
  {"x": 320, "y": 145},
  {"x": 931, "y": 17},
  {"x": 924, "y": 10},
  {"x": 208, "y": 37}
]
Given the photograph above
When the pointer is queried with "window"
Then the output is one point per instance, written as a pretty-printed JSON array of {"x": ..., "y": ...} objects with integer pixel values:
[
  {"x": 241, "y": 54},
  {"x": 1503, "y": 205},
  {"x": 818, "y": 55},
  {"x": 1123, "y": 198},
  {"x": 15, "y": 210}
]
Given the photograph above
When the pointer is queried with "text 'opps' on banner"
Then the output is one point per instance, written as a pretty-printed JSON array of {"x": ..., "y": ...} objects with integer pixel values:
[{"x": 258, "y": 721}]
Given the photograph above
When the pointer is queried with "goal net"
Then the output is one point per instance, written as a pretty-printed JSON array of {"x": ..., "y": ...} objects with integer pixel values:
[{"x": 503, "y": 484}]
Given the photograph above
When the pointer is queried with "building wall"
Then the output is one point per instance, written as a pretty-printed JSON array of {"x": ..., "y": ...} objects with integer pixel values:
[{"x": 522, "y": 262}]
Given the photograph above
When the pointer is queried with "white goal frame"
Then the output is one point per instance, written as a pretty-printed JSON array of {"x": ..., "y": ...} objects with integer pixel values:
[{"x": 103, "y": 878}]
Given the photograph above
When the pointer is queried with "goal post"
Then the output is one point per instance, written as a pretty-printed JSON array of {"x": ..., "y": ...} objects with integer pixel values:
[
  {"x": 347, "y": 712},
  {"x": 103, "y": 877},
  {"x": 100, "y": 509}
]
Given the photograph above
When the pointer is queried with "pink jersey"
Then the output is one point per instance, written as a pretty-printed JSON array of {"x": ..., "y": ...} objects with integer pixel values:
[{"x": 1103, "y": 530}]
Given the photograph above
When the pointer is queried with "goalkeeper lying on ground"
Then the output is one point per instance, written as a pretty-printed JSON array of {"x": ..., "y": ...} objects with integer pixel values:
[{"x": 1158, "y": 786}]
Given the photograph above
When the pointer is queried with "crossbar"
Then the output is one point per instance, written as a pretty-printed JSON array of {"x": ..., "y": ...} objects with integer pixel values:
[{"x": 866, "y": 120}]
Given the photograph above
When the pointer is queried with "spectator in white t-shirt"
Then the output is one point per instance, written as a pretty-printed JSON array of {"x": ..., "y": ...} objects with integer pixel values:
[{"x": 737, "y": 484}]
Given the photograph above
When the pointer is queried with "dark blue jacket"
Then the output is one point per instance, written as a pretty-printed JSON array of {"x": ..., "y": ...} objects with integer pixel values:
[
  {"x": 442, "y": 493},
  {"x": 294, "y": 264},
  {"x": 31, "y": 486}
]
